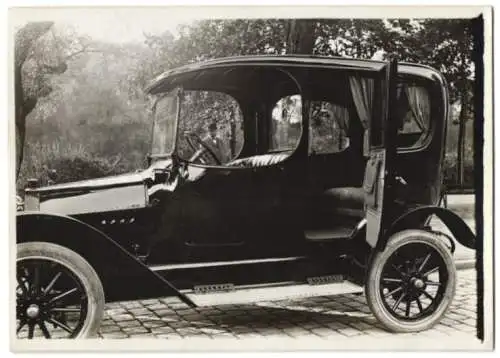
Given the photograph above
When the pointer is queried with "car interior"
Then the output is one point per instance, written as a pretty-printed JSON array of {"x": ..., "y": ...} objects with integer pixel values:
[{"x": 337, "y": 147}]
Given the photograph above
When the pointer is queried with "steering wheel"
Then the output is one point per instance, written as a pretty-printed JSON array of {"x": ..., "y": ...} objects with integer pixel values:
[{"x": 193, "y": 139}]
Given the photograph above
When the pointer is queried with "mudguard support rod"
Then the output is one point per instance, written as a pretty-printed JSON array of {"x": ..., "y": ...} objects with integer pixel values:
[{"x": 178, "y": 293}]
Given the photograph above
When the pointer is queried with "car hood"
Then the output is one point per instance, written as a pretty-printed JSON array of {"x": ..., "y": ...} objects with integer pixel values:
[
  {"x": 115, "y": 193},
  {"x": 113, "y": 181},
  {"x": 105, "y": 182}
]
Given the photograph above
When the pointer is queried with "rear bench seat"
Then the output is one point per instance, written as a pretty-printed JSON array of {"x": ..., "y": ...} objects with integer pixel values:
[{"x": 348, "y": 201}]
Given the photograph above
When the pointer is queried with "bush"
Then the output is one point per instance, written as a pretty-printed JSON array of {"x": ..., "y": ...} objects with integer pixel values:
[
  {"x": 81, "y": 168},
  {"x": 451, "y": 173},
  {"x": 71, "y": 162}
]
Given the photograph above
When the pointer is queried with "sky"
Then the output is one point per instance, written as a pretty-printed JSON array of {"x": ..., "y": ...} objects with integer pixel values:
[
  {"x": 125, "y": 24},
  {"x": 111, "y": 25}
]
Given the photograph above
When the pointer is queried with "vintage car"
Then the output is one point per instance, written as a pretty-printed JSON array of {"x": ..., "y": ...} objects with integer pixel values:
[{"x": 269, "y": 178}]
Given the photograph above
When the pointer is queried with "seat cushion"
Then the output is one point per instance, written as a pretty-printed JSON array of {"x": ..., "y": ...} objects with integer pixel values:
[
  {"x": 259, "y": 160},
  {"x": 346, "y": 200}
]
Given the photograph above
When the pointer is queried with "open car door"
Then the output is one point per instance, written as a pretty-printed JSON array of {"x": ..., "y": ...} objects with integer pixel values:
[{"x": 382, "y": 148}]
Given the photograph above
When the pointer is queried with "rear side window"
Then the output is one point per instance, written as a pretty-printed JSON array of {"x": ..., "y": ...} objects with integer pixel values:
[
  {"x": 329, "y": 127},
  {"x": 413, "y": 112},
  {"x": 286, "y": 127}
]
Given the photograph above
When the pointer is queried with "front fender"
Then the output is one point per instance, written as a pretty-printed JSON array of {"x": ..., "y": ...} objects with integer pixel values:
[
  {"x": 415, "y": 218},
  {"x": 122, "y": 274}
]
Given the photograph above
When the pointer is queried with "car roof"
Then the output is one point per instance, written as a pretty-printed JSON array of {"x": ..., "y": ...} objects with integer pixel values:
[{"x": 288, "y": 60}]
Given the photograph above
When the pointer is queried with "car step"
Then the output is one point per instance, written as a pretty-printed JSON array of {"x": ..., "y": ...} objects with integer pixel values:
[
  {"x": 229, "y": 294},
  {"x": 329, "y": 234},
  {"x": 336, "y": 233}
]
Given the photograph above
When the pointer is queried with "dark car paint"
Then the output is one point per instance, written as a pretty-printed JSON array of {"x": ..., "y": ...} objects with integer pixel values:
[
  {"x": 422, "y": 166},
  {"x": 418, "y": 216},
  {"x": 108, "y": 259},
  {"x": 168, "y": 79}
]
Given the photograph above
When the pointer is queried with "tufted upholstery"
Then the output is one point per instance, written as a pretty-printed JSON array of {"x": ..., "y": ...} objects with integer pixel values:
[{"x": 259, "y": 160}]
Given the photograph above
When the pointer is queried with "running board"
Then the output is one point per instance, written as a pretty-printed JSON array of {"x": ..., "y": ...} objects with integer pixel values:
[
  {"x": 271, "y": 292},
  {"x": 196, "y": 265}
]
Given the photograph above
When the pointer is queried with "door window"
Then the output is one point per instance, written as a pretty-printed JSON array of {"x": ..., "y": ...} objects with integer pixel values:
[
  {"x": 413, "y": 112},
  {"x": 210, "y": 120}
]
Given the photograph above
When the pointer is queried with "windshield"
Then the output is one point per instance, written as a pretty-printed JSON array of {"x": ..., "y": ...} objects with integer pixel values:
[{"x": 165, "y": 113}]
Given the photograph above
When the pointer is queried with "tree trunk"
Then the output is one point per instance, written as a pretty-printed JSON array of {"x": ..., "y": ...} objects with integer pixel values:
[
  {"x": 20, "y": 137},
  {"x": 461, "y": 139},
  {"x": 20, "y": 119},
  {"x": 24, "y": 40},
  {"x": 300, "y": 39}
]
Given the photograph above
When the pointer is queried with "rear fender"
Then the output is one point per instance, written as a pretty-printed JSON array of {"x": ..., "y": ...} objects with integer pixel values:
[
  {"x": 123, "y": 276},
  {"x": 416, "y": 218}
]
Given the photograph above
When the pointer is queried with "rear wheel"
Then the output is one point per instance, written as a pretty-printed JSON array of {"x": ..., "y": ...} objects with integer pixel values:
[
  {"x": 411, "y": 284},
  {"x": 58, "y": 293}
]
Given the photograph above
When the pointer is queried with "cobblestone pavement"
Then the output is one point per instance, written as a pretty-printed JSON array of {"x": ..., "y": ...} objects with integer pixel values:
[{"x": 329, "y": 317}]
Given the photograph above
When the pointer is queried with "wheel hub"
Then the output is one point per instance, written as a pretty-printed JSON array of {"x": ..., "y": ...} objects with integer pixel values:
[
  {"x": 418, "y": 283},
  {"x": 33, "y": 311},
  {"x": 415, "y": 285}
]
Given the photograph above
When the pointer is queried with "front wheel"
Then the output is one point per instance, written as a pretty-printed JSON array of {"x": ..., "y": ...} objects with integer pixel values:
[
  {"x": 58, "y": 293},
  {"x": 411, "y": 283}
]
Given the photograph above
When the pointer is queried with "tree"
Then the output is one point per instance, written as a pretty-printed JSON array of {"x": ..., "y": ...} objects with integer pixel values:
[
  {"x": 39, "y": 54},
  {"x": 24, "y": 104},
  {"x": 300, "y": 36}
]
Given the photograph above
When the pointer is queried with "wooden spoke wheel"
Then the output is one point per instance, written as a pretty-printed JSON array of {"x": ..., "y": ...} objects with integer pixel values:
[
  {"x": 412, "y": 282},
  {"x": 58, "y": 294}
]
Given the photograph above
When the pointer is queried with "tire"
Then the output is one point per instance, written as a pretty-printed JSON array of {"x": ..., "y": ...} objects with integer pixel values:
[
  {"x": 383, "y": 293},
  {"x": 40, "y": 300}
]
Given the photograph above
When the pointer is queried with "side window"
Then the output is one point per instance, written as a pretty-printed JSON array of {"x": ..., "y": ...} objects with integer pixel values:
[
  {"x": 329, "y": 127},
  {"x": 286, "y": 124},
  {"x": 210, "y": 124},
  {"x": 414, "y": 110}
]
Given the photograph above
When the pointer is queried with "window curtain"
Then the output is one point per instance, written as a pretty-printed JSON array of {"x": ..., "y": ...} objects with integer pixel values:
[
  {"x": 341, "y": 115},
  {"x": 341, "y": 122},
  {"x": 418, "y": 100},
  {"x": 362, "y": 93}
]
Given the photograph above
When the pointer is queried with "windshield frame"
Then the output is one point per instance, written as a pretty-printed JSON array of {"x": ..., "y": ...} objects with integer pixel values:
[{"x": 177, "y": 92}]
